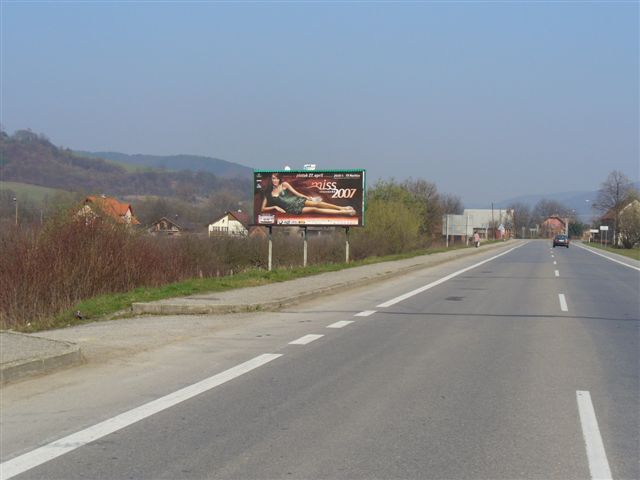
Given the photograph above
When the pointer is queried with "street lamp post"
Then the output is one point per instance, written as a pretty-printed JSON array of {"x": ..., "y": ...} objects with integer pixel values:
[{"x": 15, "y": 201}]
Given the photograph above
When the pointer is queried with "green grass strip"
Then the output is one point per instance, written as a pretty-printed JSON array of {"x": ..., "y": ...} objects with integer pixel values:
[
  {"x": 627, "y": 252},
  {"x": 118, "y": 305}
]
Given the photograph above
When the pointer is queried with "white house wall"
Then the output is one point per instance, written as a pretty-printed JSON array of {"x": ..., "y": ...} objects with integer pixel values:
[{"x": 228, "y": 226}]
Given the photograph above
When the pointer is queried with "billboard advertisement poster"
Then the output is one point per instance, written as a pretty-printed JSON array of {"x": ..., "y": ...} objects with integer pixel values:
[{"x": 309, "y": 197}]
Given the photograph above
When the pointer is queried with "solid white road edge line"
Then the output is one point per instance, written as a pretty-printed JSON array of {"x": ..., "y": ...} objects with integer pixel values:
[
  {"x": 608, "y": 258},
  {"x": 598, "y": 463},
  {"x": 340, "y": 324},
  {"x": 563, "y": 302},
  {"x": 306, "y": 339},
  {"x": 55, "y": 449},
  {"x": 400, "y": 298},
  {"x": 366, "y": 313}
]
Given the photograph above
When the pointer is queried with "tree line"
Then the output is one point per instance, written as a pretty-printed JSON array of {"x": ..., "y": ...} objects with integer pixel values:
[
  {"x": 614, "y": 207},
  {"x": 51, "y": 263},
  {"x": 47, "y": 268}
]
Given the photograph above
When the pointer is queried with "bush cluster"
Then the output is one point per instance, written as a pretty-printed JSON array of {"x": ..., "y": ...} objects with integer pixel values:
[
  {"x": 44, "y": 271},
  {"x": 47, "y": 269}
]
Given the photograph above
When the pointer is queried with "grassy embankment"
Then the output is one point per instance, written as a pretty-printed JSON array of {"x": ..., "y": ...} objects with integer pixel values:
[
  {"x": 25, "y": 191},
  {"x": 118, "y": 305},
  {"x": 627, "y": 252}
]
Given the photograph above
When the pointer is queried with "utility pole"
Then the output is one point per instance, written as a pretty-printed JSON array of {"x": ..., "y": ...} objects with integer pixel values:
[{"x": 15, "y": 201}]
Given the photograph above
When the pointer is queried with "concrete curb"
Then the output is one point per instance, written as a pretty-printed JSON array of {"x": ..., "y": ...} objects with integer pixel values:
[
  {"x": 23, "y": 356},
  {"x": 165, "y": 307},
  {"x": 56, "y": 356}
]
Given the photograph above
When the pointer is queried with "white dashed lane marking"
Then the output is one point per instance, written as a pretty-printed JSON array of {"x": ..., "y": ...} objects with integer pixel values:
[
  {"x": 366, "y": 313},
  {"x": 340, "y": 324},
  {"x": 557, "y": 273},
  {"x": 306, "y": 339},
  {"x": 563, "y": 302}
]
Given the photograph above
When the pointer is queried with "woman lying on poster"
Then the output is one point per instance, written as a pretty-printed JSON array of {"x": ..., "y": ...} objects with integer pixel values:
[{"x": 282, "y": 197}]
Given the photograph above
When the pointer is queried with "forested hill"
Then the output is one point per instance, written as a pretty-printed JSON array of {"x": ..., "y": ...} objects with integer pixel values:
[
  {"x": 194, "y": 163},
  {"x": 31, "y": 158}
]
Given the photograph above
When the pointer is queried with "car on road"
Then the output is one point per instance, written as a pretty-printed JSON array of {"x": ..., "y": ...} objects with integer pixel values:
[{"x": 561, "y": 241}]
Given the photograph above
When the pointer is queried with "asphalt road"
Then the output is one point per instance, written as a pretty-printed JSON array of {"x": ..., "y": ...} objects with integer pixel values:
[{"x": 525, "y": 366}]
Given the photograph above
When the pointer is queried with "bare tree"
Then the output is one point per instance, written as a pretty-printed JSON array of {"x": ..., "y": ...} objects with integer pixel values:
[
  {"x": 521, "y": 216},
  {"x": 426, "y": 193},
  {"x": 615, "y": 193},
  {"x": 546, "y": 208},
  {"x": 450, "y": 203}
]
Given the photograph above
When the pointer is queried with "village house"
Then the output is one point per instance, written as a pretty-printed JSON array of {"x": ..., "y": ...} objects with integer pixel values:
[
  {"x": 231, "y": 223},
  {"x": 609, "y": 219},
  {"x": 166, "y": 227},
  {"x": 120, "y": 212},
  {"x": 554, "y": 225}
]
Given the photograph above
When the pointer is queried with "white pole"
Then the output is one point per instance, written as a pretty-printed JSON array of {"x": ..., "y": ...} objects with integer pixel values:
[
  {"x": 347, "y": 244},
  {"x": 270, "y": 249},
  {"x": 447, "y": 230},
  {"x": 304, "y": 255},
  {"x": 466, "y": 231}
]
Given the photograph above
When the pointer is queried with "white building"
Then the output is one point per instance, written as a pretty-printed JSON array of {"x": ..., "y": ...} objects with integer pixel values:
[
  {"x": 484, "y": 220},
  {"x": 231, "y": 223},
  {"x": 481, "y": 221}
]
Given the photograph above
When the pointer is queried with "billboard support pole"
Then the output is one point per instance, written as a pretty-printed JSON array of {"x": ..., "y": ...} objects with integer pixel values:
[
  {"x": 447, "y": 224},
  {"x": 270, "y": 248},
  {"x": 466, "y": 232},
  {"x": 346, "y": 231},
  {"x": 304, "y": 254}
]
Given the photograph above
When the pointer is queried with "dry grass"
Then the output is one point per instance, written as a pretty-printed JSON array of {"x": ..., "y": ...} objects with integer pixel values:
[{"x": 47, "y": 270}]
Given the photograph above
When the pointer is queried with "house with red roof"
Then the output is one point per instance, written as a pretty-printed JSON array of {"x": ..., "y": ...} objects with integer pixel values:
[
  {"x": 95, "y": 206},
  {"x": 554, "y": 225}
]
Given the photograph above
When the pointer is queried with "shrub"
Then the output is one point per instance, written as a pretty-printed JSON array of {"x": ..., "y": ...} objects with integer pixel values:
[
  {"x": 45, "y": 270},
  {"x": 630, "y": 225}
]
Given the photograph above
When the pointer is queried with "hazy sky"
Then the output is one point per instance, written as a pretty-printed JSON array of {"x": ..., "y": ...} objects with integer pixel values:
[{"x": 489, "y": 100}]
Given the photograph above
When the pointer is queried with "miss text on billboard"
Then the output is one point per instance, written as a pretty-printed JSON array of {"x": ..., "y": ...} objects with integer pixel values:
[{"x": 309, "y": 198}]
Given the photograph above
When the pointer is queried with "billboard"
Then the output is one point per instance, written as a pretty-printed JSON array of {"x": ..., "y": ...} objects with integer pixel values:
[
  {"x": 309, "y": 197},
  {"x": 461, "y": 225}
]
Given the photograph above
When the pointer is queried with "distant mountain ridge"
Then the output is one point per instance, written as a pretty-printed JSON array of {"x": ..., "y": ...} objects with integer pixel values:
[
  {"x": 193, "y": 163},
  {"x": 32, "y": 159}
]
